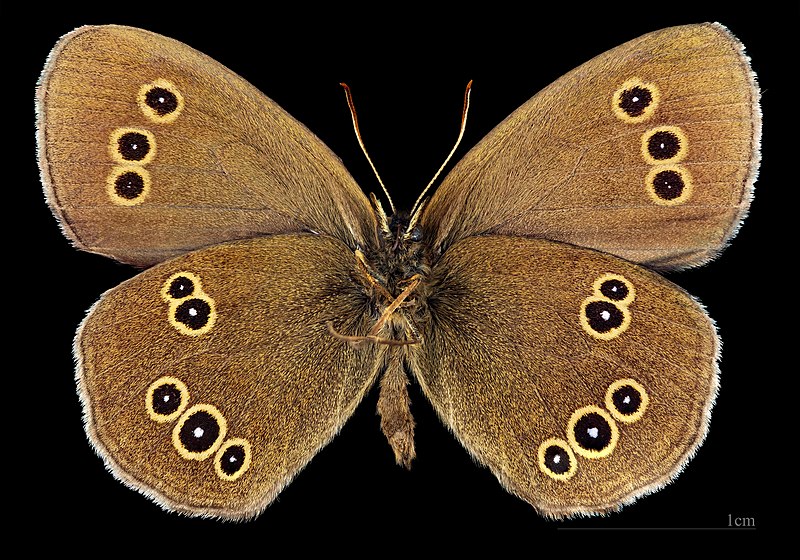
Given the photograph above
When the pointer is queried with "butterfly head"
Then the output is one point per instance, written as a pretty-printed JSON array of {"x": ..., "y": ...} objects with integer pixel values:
[{"x": 403, "y": 231}]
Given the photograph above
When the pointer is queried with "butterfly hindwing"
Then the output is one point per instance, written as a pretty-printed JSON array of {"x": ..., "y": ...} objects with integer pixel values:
[
  {"x": 210, "y": 380},
  {"x": 583, "y": 381},
  {"x": 648, "y": 151},
  {"x": 149, "y": 149}
]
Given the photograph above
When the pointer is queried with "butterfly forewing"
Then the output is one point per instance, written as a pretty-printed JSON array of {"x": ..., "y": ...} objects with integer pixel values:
[
  {"x": 648, "y": 151},
  {"x": 149, "y": 149}
]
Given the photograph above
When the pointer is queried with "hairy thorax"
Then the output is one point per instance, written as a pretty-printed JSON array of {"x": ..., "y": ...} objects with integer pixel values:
[{"x": 397, "y": 270}]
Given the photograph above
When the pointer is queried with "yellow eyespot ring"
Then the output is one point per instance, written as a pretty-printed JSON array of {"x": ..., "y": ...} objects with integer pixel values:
[
  {"x": 596, "y": 428},
  {"x": 610, "y": 284},
  {"x": 199, "y": 432},
  {"x": 630, "y": 108},
  {"x": 614, "y": 404},
  {"x": 664, "y": 181},
  {"x": 132, "y": 146},
  {"x": 603, "y": 318},
  {"x": 219, "y": 459},
  {"x": 664, "y": 144},
  {"x": 165, "y": 403},
  {"x": 193, "y": 316},
  {"x": 546, "y": 460},
  {"x": 128, "y": 185},
  {"x": 171, "y": 294},
  {"x": 162, "y": 109}
]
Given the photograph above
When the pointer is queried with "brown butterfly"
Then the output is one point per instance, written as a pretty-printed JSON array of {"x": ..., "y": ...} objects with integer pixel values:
[{"x": 519, "y": 296}]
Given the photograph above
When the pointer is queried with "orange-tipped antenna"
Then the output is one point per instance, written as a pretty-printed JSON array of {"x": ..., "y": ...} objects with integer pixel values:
[
  {"x": 352, "y": 107},
  {"x": 417, "y": 205}
]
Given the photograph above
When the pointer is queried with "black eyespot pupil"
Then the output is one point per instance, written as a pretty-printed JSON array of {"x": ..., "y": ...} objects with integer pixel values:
[
  {"x": 193, "y": 313},
  {"x": 627, "y": 400},
  {"x": 181, "y": 287},
  {"x": 232, "y": 459},
  {"x": 166, "y": 399},
  {"x": 592, "y": 432},
  {"x": 133, "y": 146},
  {"x": 635, "y": 100},
  {"x": 556, "y": 459},
  {"x": 663, "y": 145},
  {"x": 603, "y": 316},
  {"x": 614, "y": 289},
  {"x": 199, "y": 432},
  {"x": 129, "y": 185},
  {"x": 668, "y": 185},
  {"x": 161, "y": 100}
]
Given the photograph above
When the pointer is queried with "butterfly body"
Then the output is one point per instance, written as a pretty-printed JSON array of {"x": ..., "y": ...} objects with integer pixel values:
[{"x": 522, "y": 296}]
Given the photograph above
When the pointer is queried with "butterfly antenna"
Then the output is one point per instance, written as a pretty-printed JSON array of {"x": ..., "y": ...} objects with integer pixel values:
[
  {"x": 352, "y": 107},
  {"x": 417, "y": 205}
]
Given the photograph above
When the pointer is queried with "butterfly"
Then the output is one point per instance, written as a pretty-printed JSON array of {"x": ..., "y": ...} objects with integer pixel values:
[{"x": 521, "y": 296}]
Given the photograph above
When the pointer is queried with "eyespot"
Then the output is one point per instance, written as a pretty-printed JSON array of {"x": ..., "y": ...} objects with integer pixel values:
[
  {"x": 199, "y": 432},
  {"x": 592, "y": 433},
  {"x": 132, "y": 145},
  {"x": 635, "y": 101},
  {"x": 626, "y": 400},
  {"x": 233, "y": 459},
  {"x": 664, "y": 144},
  {"x": 604, "y": 319},
  {"x": 128, "y": 185},
  {"x": 166, "y": 399},
  {"x": 556, "y": 459},
  {"x": 614, "y": 287},
  {"x": 180, "y": 285},
  {"x": 669, "y": 185},
  {"x": 160, "y": 101},
  {"x": 193, "y": 316}
]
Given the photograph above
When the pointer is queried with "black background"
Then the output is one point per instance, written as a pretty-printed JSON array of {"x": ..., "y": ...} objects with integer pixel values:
[{"x": 408, "y": 68}]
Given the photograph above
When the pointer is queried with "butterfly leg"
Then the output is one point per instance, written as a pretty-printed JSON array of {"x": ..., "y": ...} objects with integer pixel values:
[
  {"x": 364, "y": 268},
  {"x": 372, "y": 335},
  {"x": 357, "y": 341},
  {"x": 397, "y": 423}
]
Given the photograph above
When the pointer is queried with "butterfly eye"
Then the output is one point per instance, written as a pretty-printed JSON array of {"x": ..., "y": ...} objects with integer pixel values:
[
  {"x": 557, "y": 460},
  {"x": 128, "y": 185},
  {"x": 199, "y": 432},
  {"x": 180, "y": 285},
  {"x": 627, "y": 400},
  {"x": 160, "y": 101},
  {"x": 166, "y": 399},
  {"x": 131, "y": 145},
  {"x": 415, "y": 235},
  {"x": 665, "y": 144},
  {"x": 635, "y": 101},
  {"x": 669, "y": 185},
  {"x": 614, "y": 287},
  {"x": 232, "y": 459},
  {"x": 193, "y": 316},
  {"x": 604, "y": 319},
  {"x": 592, "y": 433}
]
